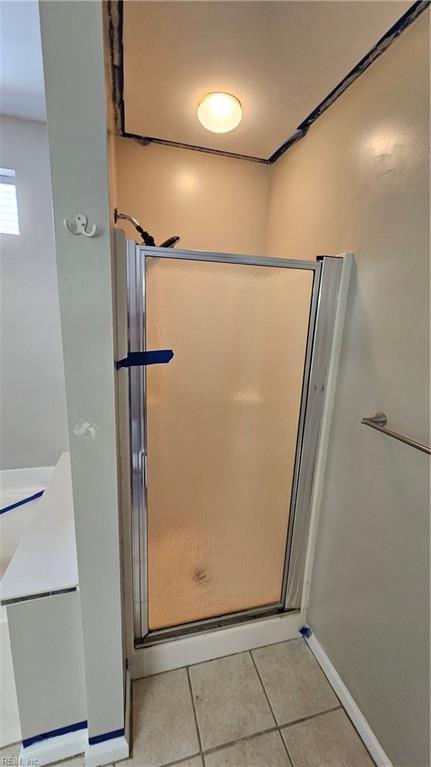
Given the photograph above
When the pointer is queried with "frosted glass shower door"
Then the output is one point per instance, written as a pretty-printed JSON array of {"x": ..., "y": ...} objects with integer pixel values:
[{"x": 221, "y": 432}]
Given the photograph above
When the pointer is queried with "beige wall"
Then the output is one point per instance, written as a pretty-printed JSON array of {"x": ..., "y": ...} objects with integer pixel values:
[
  {"x": 213, "y": 203},
  {"x": 359, "y": 182}
]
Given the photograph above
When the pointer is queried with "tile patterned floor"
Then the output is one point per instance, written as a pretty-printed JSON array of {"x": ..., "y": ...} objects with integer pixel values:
[{"x": 271, "y": 707}]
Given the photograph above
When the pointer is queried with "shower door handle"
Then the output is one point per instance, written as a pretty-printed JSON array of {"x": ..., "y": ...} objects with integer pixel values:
[{"x": 144, "y": 468}]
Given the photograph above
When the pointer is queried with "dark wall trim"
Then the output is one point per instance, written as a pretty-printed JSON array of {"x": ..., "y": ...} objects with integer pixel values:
[
  {"x": 388, "y": 38},
  {"x": 152, "y": 140},
  {"x": 116, "y": 18}
]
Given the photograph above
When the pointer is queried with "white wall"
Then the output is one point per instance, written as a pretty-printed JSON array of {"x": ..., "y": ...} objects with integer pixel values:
[
  {"x": 359, "y": 182},
  {"x": 214, "y": 203},
  {"x": 72, "y": 41},
  {"x": 32, "y": 401}
]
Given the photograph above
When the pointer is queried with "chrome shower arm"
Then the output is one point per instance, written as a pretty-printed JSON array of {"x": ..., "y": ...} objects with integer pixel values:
[
  {"x": 126, "y": 217},
  {"x": 147, "y": 238}
]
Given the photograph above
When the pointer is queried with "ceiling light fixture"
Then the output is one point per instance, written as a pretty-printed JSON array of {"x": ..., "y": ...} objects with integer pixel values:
[{"x": 219, "y": 112}]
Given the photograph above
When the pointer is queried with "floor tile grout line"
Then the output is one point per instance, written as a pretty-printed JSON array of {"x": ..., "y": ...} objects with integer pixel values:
[
  {"x": 230, "y": 743},
  {"x": 300, "y": 721},
  {"x": 180, "y": 761},
  {"x": 276, "y": 728},
  {"x": 316, "y": 716},
  {"x": 286, "y": 748},
  {"x": 296, "y": 721},
  {"x": 194, "y": 711},
  {"x": 282, "y": 726},
  {"x": 263, "y": 688}
]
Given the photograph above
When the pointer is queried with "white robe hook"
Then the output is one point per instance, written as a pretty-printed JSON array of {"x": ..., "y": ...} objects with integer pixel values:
[{"x": 80, "y": 226}]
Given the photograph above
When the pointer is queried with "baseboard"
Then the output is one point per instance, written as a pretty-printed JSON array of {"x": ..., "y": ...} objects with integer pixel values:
[
  {"x": 54, "y": 749},
  {"x": 187, "y": 651},
  {"x": 107, "y": 752},
  {"x": 381, "y": 759}
]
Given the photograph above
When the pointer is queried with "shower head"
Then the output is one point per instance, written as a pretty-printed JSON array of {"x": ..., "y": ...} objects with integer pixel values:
[
  {"x": 147, "y": 238},
  {"x": 171, "y": 242}
]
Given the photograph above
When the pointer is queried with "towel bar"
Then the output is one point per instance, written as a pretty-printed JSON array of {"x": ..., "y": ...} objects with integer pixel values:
[{"x": 379, "y": 421}]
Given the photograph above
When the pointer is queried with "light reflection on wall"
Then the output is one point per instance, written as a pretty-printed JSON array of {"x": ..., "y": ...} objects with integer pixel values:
[
  {"x": 389, "y": 150},
  {"x": 247, "y": 397},
  {"x": 186, "y": 181},
  {"x": 384, "y": 141}
]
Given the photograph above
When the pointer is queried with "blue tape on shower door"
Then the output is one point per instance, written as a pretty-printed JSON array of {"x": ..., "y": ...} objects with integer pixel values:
[
  {"x": 22, "y": 501},
  {"x": 156, "y": 357}
]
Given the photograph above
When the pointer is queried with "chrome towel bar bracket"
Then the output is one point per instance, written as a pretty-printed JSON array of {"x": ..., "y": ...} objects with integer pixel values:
[{"x": 379, "y": 421}]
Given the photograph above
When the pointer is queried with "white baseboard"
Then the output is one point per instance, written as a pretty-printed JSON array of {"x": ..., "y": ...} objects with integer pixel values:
[
  {"x": 54, "y": 749},
  {"x": 381, "y": 759},
  {"x": 177, "y": 653},
  {"x": 107, "y": 752}
]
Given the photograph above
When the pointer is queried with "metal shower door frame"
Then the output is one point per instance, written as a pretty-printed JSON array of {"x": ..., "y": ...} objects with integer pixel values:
[{"x": 326, "y": 271}]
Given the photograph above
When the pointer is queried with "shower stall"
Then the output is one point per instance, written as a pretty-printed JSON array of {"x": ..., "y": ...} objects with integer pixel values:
[{"x": 224, "y": 437}]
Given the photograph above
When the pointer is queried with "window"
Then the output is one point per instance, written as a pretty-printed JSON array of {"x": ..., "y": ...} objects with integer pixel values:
[{"x": 8, "y": 204}]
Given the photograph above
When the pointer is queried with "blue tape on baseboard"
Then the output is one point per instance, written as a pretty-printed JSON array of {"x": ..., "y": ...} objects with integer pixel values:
[
  {"x": 105, "y": 736},
  {"x": 55, "y": 733},
  {"x": 157, "y": 357},
  {"x": 305, "y": 631},
  {"x": 22, "y": 502}
]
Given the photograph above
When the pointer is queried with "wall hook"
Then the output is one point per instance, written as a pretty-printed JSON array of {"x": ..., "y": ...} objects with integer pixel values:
[{"x": 80, "y": 226}]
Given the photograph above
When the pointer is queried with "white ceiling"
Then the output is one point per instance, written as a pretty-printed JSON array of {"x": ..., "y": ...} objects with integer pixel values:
[
  {"x": 281, "y": 59},
  {"x": 22, "y": 90}
]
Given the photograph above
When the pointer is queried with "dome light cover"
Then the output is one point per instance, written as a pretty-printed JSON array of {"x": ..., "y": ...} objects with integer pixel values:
[{"x": 219, "y": 112}]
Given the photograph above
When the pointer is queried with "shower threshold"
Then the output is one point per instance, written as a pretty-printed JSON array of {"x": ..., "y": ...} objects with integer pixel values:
[{"x": 211, "y": 624}]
